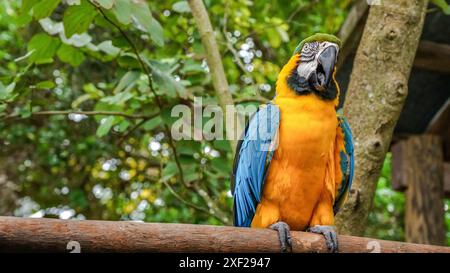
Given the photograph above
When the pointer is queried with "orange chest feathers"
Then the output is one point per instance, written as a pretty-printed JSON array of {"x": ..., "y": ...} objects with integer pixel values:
[{"x": 297, "y": 171}]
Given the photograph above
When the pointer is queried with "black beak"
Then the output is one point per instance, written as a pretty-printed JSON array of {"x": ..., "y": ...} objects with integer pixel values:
[{"x": 325, "y": 69}]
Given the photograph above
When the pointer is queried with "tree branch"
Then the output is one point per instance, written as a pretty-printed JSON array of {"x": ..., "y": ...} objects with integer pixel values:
[
  {"x": 87, "y": 113},
  {"x": 94, "y": 113},
  {"x": 192, "y": 205},
  {"x": 52, "y": 235},
  {"x": 214, "y": 60}
]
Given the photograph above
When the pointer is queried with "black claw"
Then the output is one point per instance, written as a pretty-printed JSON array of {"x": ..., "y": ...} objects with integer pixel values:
[
  {"x": 329, "y": 232},
  {"x": 284, "y": 235}
]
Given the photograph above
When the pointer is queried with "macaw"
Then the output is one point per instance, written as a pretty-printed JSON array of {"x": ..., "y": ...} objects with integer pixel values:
[{"x": 293, "y": 167}]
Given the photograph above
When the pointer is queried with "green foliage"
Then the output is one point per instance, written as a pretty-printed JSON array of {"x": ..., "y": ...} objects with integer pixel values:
[
  {"x": 105, "y": 126},
  {"x": 181, "y": 6},
  {"x": 78, "y": 18},
  {"x": 442, "y": 4},
  {"x": 42, "y": 9},
  {"x": 70, "y": 55},
  {"x": 42, "y": 48},
  {"x": 386, "y": 220}
]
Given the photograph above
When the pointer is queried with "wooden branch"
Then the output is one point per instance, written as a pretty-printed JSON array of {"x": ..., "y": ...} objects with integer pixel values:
[
  {"x": 355, "y": 15},
  {"x": 51, "y": 235},
  {"x": 439, "y": 123},
  {"x": 87, "y": 113},
  {"x": 439, "y": 126},
  {"x": 352, "y": 30},
  {"x": 433, "y": 57},
  {"x": 214, "y": 61}
]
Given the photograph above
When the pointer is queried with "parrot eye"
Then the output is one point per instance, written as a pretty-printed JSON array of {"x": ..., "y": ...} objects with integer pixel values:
[{"x": 309, "y": 51}]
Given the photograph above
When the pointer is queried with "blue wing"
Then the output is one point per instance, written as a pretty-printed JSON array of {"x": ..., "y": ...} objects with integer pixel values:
[
  {"x": 347, "y": 164},
  {"x": 253, "y": 156}
]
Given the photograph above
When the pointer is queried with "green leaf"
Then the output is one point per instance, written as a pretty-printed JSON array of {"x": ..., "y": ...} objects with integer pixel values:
[
  {"x": 223, "y": 145},
  {"x": 190, "y": 66},
  {"x": 165, "y": 81},
  {"x": 45, "y": 85},
  {"x": 127, "y": 82},
  {"x": 108, "y": 48},
  {"x": 105, "y": 126},
  {"x": 156, "y": 32},
  {"x": 152, "y": 123},
  {"x": 73, "y": 2},
  {"x": 78, "y": 198},
  {"x": 443, "y": 5},
  {"x": 122, "y": 11},
  {"x": 166, "y": 116},
  {"x": 169, "y": 171},
  {"x": 23, "y": 19},
  {"x": 27, "y": 5},
  {"x": 44, "y": 8},
  {"x": 6, "y": 92},
  {"x": 92, "y": 90},
  {"x": 107, "y": 4},
  {"x": 25, "y": 111},
  {"x": 70, "y": 55},
  {"x": 80, "y": 100},
  {"x": 188, "y": 147},
  {"x": 123, "y": 125},
  {"x": 44, "y": 47},
  {"x": 221, "y": 165},
  {"x": 78, "y": 18},
  {"x": 275, "y": 40},
  {"x": 181, "y": 6},
  {"x": 128, "y": 61},
  {"x": 192, "y": 176},
  {"x": 283, "y": 34},
  {"x": 118, "y": 98},
  {"x": 145, "y": 21}
]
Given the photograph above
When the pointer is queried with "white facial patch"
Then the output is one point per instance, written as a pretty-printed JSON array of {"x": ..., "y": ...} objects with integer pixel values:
[{"x": 309, "y": 57}]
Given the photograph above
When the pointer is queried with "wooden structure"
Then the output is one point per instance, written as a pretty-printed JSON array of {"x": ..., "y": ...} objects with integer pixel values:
[
  {"x": 421, "y": 143},
  {"x": 51, "y": 235}
]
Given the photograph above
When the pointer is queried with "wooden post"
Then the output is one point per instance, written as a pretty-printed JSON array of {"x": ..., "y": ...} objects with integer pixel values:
[
  {"x": 418, "y": 167},
  {"x": 51, "y": 235}
]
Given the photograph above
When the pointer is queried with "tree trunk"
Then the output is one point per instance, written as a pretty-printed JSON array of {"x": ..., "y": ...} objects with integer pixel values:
[
  {"x": 377, "y": 91},
  {"x": 421, "y": 170},
  {"x": 215, "y": 65}
]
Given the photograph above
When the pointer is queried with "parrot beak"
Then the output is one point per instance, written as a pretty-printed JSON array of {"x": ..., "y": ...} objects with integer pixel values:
[{"x": 324, "y": 73}]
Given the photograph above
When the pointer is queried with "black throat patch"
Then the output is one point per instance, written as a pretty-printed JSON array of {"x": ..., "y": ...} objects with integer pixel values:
[{"x": 301, "y": 87}]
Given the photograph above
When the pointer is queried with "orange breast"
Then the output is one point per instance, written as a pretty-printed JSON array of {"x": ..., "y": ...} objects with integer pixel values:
[{"x": 297, "y": 171}]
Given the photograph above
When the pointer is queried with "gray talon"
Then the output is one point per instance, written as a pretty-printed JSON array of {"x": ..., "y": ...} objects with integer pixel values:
[
  {"x": 284, "y": 235},
  {"x": 329, "y": 232}
]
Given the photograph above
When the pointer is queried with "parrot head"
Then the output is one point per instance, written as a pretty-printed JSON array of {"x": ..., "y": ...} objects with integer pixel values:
[{"x": 311, "y": 68}]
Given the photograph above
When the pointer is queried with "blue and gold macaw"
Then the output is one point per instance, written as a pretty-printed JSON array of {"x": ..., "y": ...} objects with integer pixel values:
[{"x": 294, "y": 166}]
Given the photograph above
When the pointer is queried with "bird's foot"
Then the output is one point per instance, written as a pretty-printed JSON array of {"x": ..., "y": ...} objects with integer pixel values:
[
  {"x": 329, "y": 232},
  {"x": 284, "y": 235}
]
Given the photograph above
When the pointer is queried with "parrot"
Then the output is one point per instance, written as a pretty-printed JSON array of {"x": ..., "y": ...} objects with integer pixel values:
[{"x": 294, "y": 164}]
